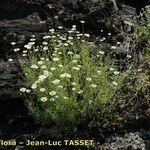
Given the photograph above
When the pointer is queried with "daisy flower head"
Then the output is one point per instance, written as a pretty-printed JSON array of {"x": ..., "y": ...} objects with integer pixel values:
[
  {"x": 13, "y": 43},
  {"x": 65, "y": 75},
  {"x": 60, "y": 27},
  {"x": 74, "y": 61},
  {"x": 56, "y": 81},
  {"x": 42, "y": 89},
  {"x": 82, "y": 21},
  {"x": 116, "y": 72},
  {"x": 52, "y": 99},
  {"x": 89, "y": 79},
  {"x": 46, "y": 37},
  {"x": 93, "y": 85},
  {"x": 55, "y": 59},
  {"x": 65, "y": 97},
  {"x": 10, "y": 59},
  {"x": 87, "y": 35},
  {"x": 52, "y": 30},
  {"x": 45, "y": 43},
  {"x": 53, "y": 68},
  {"x": 76, "y": 68},
  {"x": 16, "y": 49},
  {"x": 40, "y": 62},
  {"x": 52, "y": 93},
  {"x": 115, "y": 83},
  {"x": 34, "y": 86},
  {"x": 34, "y": 66},
  {"x": 79, "y": 92},
  {"x": 43, "y": 99},
  {"x": 22, "y": 89},
  {"x": 101, "y": 52},
  {"x": 113, "y": 47},
  {"x": 45, "y": 48},
  {"x": 43, "y": 67}
]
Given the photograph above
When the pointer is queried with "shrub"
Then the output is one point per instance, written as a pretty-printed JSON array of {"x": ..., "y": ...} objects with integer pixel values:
[{"x": 67, "y": 82}]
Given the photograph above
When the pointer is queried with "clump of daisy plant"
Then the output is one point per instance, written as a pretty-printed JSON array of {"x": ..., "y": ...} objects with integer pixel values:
[{"x": 67, "y": 82}]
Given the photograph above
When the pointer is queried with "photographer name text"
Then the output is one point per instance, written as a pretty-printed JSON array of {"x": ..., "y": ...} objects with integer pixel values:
[{"x": 47, "y": 143}]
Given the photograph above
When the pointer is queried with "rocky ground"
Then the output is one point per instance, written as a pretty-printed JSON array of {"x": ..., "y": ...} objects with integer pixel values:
[{"x": 22, "y": 18}]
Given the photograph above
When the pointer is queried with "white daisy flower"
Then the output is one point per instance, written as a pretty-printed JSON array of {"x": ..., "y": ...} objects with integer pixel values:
[
  {"x": 42, "y": 90},
  {"x": 60, "y": 27},
  {"x": 82, "y": 21},
  {"x": 66, "y": 44},
  {"x": 16, "y": 49},
  {"x": 43, "y": 67},
  {"x": 47, "y": 37},
  {"x": 33, "y": 39},
  {"x": 70, "y": 38},
  {"x": 89, "y": 79},
  {"x": 45, "y": 48},
  {"x": 73, "y": 83},
  {"x": 79, "y": 92},
  {"x": 111, "y": 69},
  {"x": 13, "y": 43},
  {"x": 56, "y": 81},
  {"x": 42, "y": 58},
  {"x": 118, "y": 43},
  {"x": 113, "y": 47},
  {"x": 36, "y": 50},
  {"x": 53, "y": 68},
  {"x": 31, "y": 43},
  {"x": 46, "y": 73},
  {"x": 76, "y": 68},
  {"x": 10, "y": 59},
  {"x": 99, "y": 72},
  {"x": 87, "y": 35},
  {"x": 93, "y": 85},
  {"x": 74, "y": 61},
  {"x": 65, "y": 75},
  {"x": 43, "y": 99},
  {"x": 28, "y": 46},
  {"x": 34, "y": 66},
  {"x": 42, "y": 77},
  {"x": 65, "y": 97},
  {"x": 55, "y": 59},
  {"x": 45, "y": 43},
  {"x": 52, "y": 99},
  {"x": 60, "y": 86},
  {"x": 129, "y": 56},
  {"x": 24, "y": 55},
  {"x": 22, "y": 89},
  {"x": 73, "y": 89},
  {"x": 115, "y": 83},
  {"x": 59, "y": 53},
  {"x": 77, "y": 56},
  {"x": 52, "y": 93},
  {"x": 101, "y": 52},
  {"x": 28, "y": 90},
  {"x": 34, "y": 86},
  {"x": 53, "y": 37},
  {"x": 25, "y": 51},
  {"x": 60, "y": 65},
  {"x": 40, "y": 62},
  {"x": 70, "y": 53},
  {"x": 116, "y": 72},
  {"x": 51, "y": 30}
]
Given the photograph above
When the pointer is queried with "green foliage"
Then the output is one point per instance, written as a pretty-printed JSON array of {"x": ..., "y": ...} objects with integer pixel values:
[
  {"x": 68, "y": 82},
  {"x": 142, "y": 28}
]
